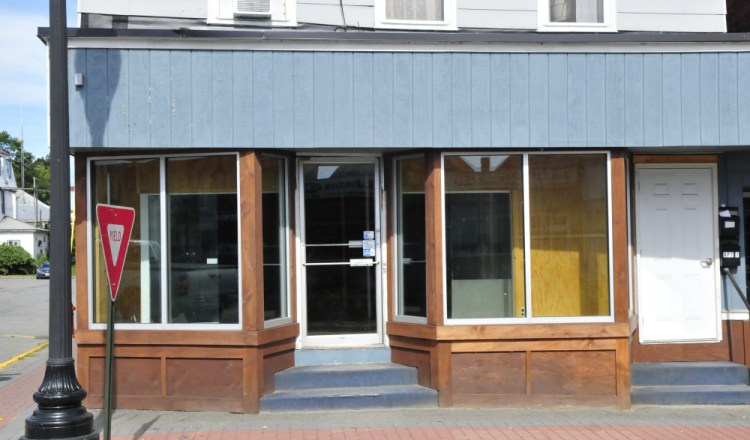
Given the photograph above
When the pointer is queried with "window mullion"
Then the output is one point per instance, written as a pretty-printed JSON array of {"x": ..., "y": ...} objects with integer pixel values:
[
  {"x": 527, "y": 236},
  {"x": 164, "y": 237}
]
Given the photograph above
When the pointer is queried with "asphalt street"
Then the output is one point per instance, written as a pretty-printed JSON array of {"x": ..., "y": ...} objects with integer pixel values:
[
  {"x": 24, "y": 330},
  {"x": 24, "y": 309}
]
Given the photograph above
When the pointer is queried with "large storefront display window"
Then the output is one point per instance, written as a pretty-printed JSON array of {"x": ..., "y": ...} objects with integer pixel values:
[
  {"x": 182, "y": 266},
  {"x": 526, "y": 238}
]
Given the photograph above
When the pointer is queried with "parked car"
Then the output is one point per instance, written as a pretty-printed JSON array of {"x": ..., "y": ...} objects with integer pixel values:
[{"x": 43, "y": 270}]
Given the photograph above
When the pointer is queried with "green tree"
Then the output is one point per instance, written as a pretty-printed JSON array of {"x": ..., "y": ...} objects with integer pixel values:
[
  {"x": 39, "y": 170},
  {"x": 14, "y": 260},
  {"x": 35, "y": 169}
]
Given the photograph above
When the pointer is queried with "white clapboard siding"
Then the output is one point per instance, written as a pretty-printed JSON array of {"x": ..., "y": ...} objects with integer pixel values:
[
  {"x": 146, "y": 8},
  {"x": 489, "y": 19},
  {"x": 357, "y": 13},
  {"x": 699, "y": 7},
  {"x": 672, "y": 15},
  {"x": 671, "y": 22},
  {"x": 336, "y": 3}
]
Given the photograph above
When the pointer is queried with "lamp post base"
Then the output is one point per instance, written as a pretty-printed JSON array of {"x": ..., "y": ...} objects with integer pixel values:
[{"x": 60, "y": 414}]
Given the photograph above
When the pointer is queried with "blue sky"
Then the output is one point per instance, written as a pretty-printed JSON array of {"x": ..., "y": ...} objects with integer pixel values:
[{"x": 23, "y": 76}]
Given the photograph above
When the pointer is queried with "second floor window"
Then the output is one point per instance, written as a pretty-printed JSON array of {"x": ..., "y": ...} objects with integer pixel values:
[
  {"x": 576, "y": 11},
  {"x": 415, "y": 14},
  {"x": 576, "y": 15},
  {"x": 418, "y": 10}
]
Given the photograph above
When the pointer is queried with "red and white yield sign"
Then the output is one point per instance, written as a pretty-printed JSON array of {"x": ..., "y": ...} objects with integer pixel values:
[{"x": 115, "y": 226}]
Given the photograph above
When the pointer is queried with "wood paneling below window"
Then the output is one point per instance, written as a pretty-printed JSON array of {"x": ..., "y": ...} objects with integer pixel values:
[{"x": 512, "y": 365}]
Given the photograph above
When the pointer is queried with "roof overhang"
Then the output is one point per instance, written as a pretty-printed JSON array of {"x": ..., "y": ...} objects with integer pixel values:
[{"x": 460, "y": 41}]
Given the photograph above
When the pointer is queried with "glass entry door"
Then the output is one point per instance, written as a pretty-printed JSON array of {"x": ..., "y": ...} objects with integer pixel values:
[{"x": 340, "y": 252}]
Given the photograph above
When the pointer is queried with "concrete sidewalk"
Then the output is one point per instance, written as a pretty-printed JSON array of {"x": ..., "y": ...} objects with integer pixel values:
[{"x": 641, "y": 422}]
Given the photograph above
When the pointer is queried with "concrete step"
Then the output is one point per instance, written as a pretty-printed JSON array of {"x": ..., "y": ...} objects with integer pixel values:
[
  {"x": 691, "y": 395},
  {"x": 690, "y": 383},
  {"x": 345, "y": 376},
  {"x": 348, "y": 386},
  {"x": 689, "y": 373},
  {"x": 346, "y": 398},
  {"x": 349, "y": 355}
]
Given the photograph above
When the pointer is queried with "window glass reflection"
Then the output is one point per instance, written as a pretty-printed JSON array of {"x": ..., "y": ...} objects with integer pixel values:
[
  {"x": 134, "y": 184},
  {"x": 484, "y": 236},
  {"x": 203, "y": 251},
  {"x": 410, "y": 240},
  {"x": 274, "y": 239}
]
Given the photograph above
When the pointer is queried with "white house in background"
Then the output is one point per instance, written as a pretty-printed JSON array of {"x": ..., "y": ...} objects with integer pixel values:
[
  {"x": 7, "y": 185},
  {"x": 34, "y": 240},
  {"x": 30, "y": 210}
]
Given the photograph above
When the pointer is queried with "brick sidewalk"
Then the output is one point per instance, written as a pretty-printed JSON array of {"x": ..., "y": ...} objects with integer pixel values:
[
  {"x": 17, "y": 395},
  {"x": 465, "y": 433}
]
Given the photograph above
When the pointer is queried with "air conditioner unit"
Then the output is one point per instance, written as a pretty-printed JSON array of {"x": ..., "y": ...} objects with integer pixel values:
[{"x": 252, "y": 8}]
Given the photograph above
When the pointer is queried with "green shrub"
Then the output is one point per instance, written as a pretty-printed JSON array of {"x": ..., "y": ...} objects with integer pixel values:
[{"x": 14, "y": 260}]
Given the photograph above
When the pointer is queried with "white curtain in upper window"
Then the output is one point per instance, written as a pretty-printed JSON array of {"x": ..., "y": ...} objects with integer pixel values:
[
  {"x": 417, "y": 10},
  {"x": 576, "y": 11}
]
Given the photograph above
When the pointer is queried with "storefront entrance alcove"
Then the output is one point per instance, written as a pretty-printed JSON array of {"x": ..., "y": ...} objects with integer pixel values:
[{"x": 340, "y": 263}]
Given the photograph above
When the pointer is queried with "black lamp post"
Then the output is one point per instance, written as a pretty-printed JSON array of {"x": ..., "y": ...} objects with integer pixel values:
[{"x": 59, "y": 414}]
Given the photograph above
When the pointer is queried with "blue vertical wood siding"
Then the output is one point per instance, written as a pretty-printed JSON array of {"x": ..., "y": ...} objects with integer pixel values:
[
  {"x": 267, "y": 99},
  {"x": 364, "y": 96},
  {"x": 743, "y": 97},
  {"x": 181, "y": 109},
  {"x": 160, "y": 99},
  {"x": 634, "y": 107},
  {"x": 422, "y": 92}
]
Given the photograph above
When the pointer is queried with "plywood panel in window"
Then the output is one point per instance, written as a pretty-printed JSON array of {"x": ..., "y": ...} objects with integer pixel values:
[
  {"x": 569, "y": 242},
  {"x": 213, "y": 174}
]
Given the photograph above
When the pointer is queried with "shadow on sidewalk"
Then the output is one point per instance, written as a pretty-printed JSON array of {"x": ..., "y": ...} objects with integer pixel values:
[{"x": 142, "y": 430}]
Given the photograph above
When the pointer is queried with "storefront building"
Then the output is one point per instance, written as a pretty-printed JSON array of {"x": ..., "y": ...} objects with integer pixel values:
[{"x": 508, "y": 213}]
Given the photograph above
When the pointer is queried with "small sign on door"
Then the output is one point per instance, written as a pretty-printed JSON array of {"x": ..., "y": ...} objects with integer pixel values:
[{"x": 368, "y": 244}]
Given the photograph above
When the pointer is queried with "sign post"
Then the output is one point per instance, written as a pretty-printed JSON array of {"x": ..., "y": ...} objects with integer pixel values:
[{"x": 115, "y": 226}]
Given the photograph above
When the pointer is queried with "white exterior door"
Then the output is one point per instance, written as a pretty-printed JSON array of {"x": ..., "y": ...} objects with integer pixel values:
[{"x": 677, "y": 264}]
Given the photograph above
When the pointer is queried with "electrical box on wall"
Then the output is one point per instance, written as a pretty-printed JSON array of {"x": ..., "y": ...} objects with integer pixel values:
[
  {"x": 730, "y": 254},
  {"x": 729, "y": 223},
  {"x": 729, "y": 234}
]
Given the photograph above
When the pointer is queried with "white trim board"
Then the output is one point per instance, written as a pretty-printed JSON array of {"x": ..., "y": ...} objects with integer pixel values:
[{"x": 229, "y": 43}]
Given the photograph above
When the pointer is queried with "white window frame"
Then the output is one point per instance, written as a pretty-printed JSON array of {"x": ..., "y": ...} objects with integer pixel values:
[
  {"x": 333, "y": 341},
  {"x": 608, "y": 25},
  {"x": 529, "y": 318},
  {"x": 164, "y": 324},
  {"x": 448, "y": 22},
  {"x": 221, "y": 12}
]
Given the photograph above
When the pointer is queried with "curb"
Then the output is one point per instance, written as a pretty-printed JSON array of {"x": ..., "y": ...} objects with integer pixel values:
[{"x": 15, "y": 359}]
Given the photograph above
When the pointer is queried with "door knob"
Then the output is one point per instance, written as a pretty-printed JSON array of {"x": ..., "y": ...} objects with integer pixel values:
[{"x": 707, "y": 262}]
